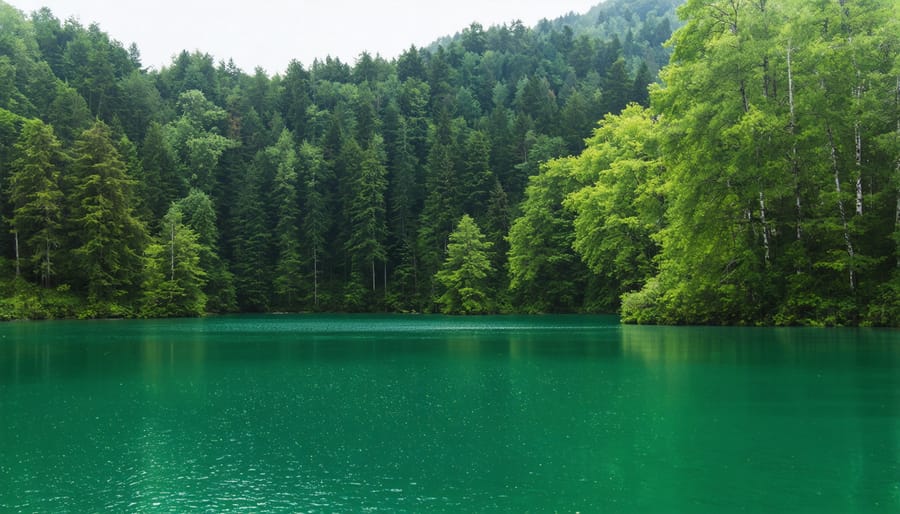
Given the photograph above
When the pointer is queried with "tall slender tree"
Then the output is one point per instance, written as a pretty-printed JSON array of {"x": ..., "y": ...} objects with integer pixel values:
[
  {"x": 466, "y": 273},
  {"x": 109, "y": 238},
  {"x": 35, "y": 191}
]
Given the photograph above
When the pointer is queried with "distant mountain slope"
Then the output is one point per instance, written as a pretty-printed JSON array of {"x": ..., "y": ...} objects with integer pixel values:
[{"x": 641, "y": 26}]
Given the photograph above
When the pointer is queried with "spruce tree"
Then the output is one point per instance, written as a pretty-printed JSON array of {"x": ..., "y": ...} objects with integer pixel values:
[
  {"x": 288, "y": 278},
  {"x": 36, "y": 194},
  {"x": 109, "y": 238},
  {"x": 467, "y": 272}
]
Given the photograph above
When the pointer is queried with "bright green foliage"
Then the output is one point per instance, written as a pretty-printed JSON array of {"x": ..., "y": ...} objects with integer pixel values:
[
  {"x": 774, "y": 118},
  {"x": 545, "y": 273},
  {"x": 173, "y": 278},
  {"x": 196, "y": 138},
  {"x": 466, "y": 273},
  {"x": 617, "y": 216},
  {"x": 199, "y": 215},
  {"x": 36, "y": 194},
  {"x": 109, "y": 238}
]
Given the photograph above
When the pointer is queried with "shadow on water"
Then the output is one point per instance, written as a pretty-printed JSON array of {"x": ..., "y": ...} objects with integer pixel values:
[{"x": 41, "y": 351}]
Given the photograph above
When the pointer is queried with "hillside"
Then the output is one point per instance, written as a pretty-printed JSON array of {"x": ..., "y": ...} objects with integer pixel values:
[
  {"x": 333, "y": 187},
  {"x": 756, "y": 183}
]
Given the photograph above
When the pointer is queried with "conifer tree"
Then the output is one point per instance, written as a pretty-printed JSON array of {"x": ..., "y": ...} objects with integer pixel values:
[
  {"x": 466, "y": 273},
  {"x": 109, "y": 238},
  {"x": 36, "y": 193},
  {"x": 314, "y": 177},
  {"x": 285, "y": 197},
  {"x": 367, "y": 212}
]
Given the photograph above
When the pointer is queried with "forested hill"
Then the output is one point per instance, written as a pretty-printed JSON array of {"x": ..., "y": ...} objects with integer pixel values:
[
  {"x": 758, "y": 183},
  {"x": 640, "y": 26},
  {"x": 335, "y": 186}
]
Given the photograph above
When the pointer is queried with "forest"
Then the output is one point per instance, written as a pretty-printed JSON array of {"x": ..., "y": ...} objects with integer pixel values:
[{"x": 705, "y": 162}]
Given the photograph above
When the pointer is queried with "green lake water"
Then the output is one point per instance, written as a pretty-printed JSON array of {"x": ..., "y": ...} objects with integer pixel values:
[{"x": 417, "y": 413}]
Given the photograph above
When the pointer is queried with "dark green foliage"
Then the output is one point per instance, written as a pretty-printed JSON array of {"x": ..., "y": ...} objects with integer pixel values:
[
  {"x": 108, "y": 239},
  {"x": 159, "y": 183},
  {"x": 756, "y": 183},
  {"x": 366, "y": 213},
  {"x": 35, "y": 191},
  {"x": 252, "y": 239},
  {"x": 289, "y": 278}
]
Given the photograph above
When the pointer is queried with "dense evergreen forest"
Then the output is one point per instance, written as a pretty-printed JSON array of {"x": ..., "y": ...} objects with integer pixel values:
[{"x": 755, "y": 178}]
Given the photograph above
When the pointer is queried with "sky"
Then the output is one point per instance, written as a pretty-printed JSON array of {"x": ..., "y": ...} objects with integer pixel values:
[{"x": 270, "y": 33}]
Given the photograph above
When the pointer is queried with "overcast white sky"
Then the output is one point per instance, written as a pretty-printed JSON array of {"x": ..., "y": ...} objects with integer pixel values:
[{"x": 269, "y": 33}]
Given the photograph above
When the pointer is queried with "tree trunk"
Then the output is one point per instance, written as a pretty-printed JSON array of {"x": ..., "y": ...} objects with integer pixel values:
[
  {"x": 172, "y": 255},
  {"x": 857, "y": 129},
  {"x": 765, "y": 226},
  {"x": 46, "y": 274},
  {"x": 18, "y": 268},
  {"x": 897, "y": 169},
  {"x": 316, "y": 274},
  {"x": 837, "y": 185},
  {"x": 744, "y": 99},
  {"x": 795, "y": 166}
]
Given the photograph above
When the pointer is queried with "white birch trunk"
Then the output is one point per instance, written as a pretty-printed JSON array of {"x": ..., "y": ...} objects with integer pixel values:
[
  {"x": 46, "y": 275},
  {"x": 795, "y": 166},
  {"x": 857, "y": 129},
  {"x": 897, "y": 170},
  {"x": 837, "y": 185},
  {"x": 316, "y": 274},
  {"x": 18, "y": 268},
  {"x": 765, "y": 226},
  {"x": 172, "y": 255}
]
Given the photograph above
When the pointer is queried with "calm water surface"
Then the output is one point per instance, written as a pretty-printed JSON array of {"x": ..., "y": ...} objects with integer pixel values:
[{"x": 495, "y": 414}]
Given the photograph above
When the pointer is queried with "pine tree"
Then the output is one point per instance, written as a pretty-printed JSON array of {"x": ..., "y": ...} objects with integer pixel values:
[
  {"x": 367, "y": 212},
  {"x": 252, "y": 240},
  {"x": 159, "y": 184},
  {"x": 285, "y": 197},
  {"x": 36, "y": 194},
  {"x": 466, "y": 273},
  {"x": 109, "y": 238},
  {"x": 314, "y": 176}
]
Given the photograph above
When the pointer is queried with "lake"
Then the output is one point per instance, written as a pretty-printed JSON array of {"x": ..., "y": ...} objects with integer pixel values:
[{"x": 421, "y": 413}]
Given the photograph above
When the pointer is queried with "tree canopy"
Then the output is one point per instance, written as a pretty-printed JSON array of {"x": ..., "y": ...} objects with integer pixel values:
[{"x": 566, "y": 167}]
